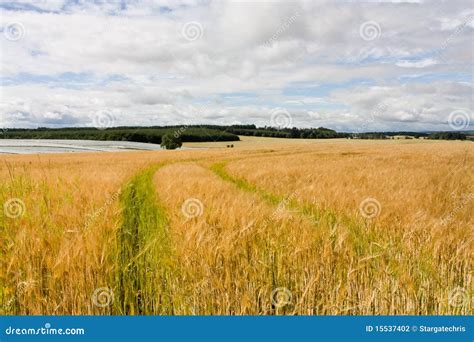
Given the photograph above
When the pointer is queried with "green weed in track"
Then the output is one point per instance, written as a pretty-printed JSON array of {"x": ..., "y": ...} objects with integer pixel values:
[
  {"x": 320, "y": 218},
  {"x": 219, "y": 169},
  {"x": 145, "y": 257},
  {"x": 288, "y": 202}
]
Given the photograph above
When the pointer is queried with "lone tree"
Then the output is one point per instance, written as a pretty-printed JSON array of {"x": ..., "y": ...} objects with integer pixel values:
[{"x": 171, "y": 142}]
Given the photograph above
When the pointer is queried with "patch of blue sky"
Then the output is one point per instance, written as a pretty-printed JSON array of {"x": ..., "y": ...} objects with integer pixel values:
[
  {"x": 239, "y": 98},
  {"x": 311, "y": 89},
  {"x": 165, "y": 9},
  {"x": 421, "y": 56},
  {"x": 119, "y": 5},
  {"x": 386, "y": 57},
  {"x": 364, "y": 60},
  {"x": 70, "y": 5},
  {"x": 232, "y": 99},
  {"x": 36, "y": 53},
  {"x": 237, "y": 94},
  {"x": 69, "y": 80},
  {"x": 22, "y": 7},
  {"x": 308, "y": 103},
  {"x": 432, "y": 77},
  {"x": 253, "y": 99},
  {"x": 124, "y": 5}
]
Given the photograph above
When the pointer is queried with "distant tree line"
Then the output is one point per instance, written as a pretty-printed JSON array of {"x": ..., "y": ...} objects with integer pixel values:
[
  {"x": 154, "y": 134},
  {"x": 369, "y": 136},
  {"x": 203, "y": 133},
  {"x": 434, "y": 135},
  {"x": 136, "y": 134},
  {"x": 448, "y": 136},
  {"x": 294, "y": 133}
]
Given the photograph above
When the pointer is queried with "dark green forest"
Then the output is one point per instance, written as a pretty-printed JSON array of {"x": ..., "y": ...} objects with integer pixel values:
[
  {"x": 185, "y": 133},
  {"x": 136, "y": 134},
  {"x": 203, "y": 133}
]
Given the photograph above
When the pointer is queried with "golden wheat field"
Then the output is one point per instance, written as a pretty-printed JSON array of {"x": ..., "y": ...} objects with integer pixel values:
[{"x": 269, "y": 227}]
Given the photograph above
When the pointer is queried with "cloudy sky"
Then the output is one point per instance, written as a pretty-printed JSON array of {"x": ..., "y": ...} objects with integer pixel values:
[{"x": 351, "y": 66}]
